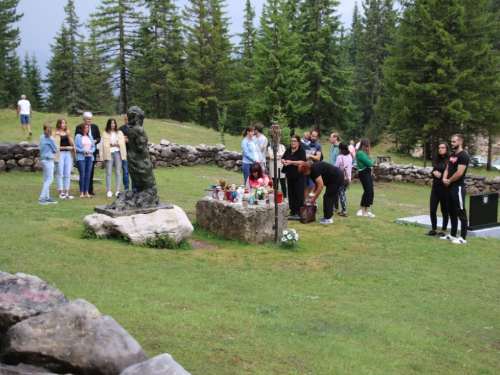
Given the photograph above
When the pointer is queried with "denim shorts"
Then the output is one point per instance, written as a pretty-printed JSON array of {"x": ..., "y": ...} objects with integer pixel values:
[
  {"x": 25, "y": 119},
  {"x": 308, "y": 181}
]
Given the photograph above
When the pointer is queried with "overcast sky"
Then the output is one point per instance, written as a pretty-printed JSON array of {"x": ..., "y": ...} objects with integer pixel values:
[{"x": 43, "y": 19}]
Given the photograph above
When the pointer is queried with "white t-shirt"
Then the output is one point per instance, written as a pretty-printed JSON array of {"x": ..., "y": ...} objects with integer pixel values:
[{"x": 25, "y": 106}]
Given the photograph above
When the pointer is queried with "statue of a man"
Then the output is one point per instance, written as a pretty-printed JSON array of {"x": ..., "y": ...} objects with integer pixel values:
[{"x": 139, "y": 163}]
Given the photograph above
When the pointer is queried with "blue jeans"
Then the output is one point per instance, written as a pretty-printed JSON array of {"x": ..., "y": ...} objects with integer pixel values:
[
  {"x": 126, "y": 181},
  {"x": 48, "y": 177},
  {"x": 64, "y": 170},
  {"x": 245, "y": 168},
  {"x": 84, "y": 167}
]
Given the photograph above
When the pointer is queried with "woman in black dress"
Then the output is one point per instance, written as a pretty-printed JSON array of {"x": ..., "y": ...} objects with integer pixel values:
[
  {"x": 438, "y": 192},
  {"x": 291, "y": 160}
]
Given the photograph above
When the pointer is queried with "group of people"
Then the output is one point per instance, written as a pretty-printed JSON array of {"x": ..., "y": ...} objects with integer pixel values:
[
  {"x": 59, "y": 149},
  {"x": 303, "y": 174},
  {"x": 448, "y": 190}
]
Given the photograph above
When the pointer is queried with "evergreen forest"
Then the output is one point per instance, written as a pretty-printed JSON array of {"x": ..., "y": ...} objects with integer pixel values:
[{"x": 420, "y": 70}]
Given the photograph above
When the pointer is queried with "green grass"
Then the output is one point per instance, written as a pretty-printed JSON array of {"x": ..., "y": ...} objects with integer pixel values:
[
  {"x": 174, "y": 131},
  {"x": 361, "y": 296}
]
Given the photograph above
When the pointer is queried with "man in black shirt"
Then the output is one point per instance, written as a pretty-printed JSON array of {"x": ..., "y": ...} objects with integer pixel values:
[
  {"x": 96, "y": 134},
  {"x": 454, "y": 180}
]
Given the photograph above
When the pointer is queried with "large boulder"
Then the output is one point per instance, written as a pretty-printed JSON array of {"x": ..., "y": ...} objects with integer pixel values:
[
  {"x": 74, "y": 338},
  {"x": 162, "y": 364},
  {"x": 139, "y": 228},
  {"x": 24, "y": 296},
  {"x": 245, "y": 223},
  {"x": 22, "y": 369}
]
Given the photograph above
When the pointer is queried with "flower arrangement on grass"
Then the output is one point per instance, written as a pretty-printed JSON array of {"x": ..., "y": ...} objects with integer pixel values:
[{"x": 289, "y": 238}]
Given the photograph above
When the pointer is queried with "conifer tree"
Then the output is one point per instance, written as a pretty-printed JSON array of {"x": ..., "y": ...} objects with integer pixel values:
[
  {"x": 10, "y": 65},
  {"x": 240, "y": 90},
  {"x": 378, "y": 24},
  {"x": 115, "y": 23},
  {"x": 158, "y": 62},
  {"x": 442, "y": 76},
  {"x": 63, "y": 67},
  {"x": 32, "y": 82},
  {"x": 279, "y": 84},
  {"x": 322, "y": 64}
]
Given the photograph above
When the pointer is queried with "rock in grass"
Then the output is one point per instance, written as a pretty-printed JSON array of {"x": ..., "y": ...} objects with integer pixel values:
[
  {"x": 162, "y": 364},
  {"x": 24, "y": 296},
  {"x": 75, "y": 338},
  {"x": 24, "y": 370}
]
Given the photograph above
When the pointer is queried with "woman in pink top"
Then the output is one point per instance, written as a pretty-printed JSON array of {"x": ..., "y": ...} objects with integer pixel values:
[
  {"x": 344, "y": 161},
  {"x": 257, "y": 178}
]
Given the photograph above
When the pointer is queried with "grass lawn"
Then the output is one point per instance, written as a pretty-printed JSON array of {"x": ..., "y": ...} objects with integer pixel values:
[{"x": 361, "y": 296}]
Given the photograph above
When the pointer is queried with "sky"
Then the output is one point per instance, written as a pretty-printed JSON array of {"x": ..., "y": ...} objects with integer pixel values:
[{"x": 43, "y": 19}]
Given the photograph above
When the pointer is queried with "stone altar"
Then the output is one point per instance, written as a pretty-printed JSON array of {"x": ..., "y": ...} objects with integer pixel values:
[{"x": 246, "y": 223}]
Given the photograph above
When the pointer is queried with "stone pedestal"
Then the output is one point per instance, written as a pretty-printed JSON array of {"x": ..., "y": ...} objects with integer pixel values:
[
  {"x": 245, "y": 223},
  {"x": 142, "y": 225}
]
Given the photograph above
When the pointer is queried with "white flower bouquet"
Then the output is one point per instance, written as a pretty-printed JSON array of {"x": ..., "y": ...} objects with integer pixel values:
[
  {"x": 289, "y": 238},
  {"x": 261, "y": 193}
]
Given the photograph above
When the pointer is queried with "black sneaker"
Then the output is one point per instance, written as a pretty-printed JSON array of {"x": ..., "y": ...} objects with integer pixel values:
[
  {"x": 431, "y": 233},
  {"x": 440, "y": 234}
]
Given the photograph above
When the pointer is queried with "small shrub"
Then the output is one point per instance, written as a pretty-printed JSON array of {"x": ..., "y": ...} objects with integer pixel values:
[{"x": 165, "y": 242}]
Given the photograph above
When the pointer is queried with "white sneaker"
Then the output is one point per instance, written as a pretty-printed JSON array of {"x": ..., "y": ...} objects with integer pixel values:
[
  {"x": 67, "y": 196},
  {"x": 117, "y": 194},
  {"x": 448, "y": 237},
  {"x": 62, "y": 196},
  {"x": 459, "y": 240},
  {"x": 369, "y": 214},
  {"x": 359, "y": 213},
  {"x": 110, "y": 194}
]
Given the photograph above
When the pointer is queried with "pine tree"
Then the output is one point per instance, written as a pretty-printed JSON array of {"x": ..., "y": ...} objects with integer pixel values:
[
  {"x": 240, "y": 90},
  {"x": 279, "y": 84},
  {"x": 158, "y": 62},
  {"x": 442, "y": 76},
  {"x": 63, "y": 66},
  {"x": 322, "y": 64},
  {"x": 378, "y": 24},
  {"x": 94, "y": 87},
  {"x": 10, "y": 64},
  {"x": 115, "y": 23},
  {"x": 208, "y": 57},
  {"x": 32, "y": 83}
]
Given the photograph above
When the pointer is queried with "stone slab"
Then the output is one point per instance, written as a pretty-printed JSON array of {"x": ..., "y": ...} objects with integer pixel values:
[
  {"x": 134, "y": 211},
  {"x": 245, "y": 223},
  {"x": 425, "y": 221}
]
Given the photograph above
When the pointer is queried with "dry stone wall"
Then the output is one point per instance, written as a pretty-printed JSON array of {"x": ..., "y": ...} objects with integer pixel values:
[
  {"x": 475, "y": 184},
  {"x": 25, "y": 156}
]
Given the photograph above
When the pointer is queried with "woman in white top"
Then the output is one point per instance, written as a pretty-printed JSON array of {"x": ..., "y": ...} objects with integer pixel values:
[
  {"x": 112, "y": 152},
  {"x": 344, "y": 161},
  {"x": 279, "y": 166}
]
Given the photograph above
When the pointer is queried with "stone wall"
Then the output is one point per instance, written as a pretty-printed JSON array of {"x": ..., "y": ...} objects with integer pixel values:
[
  {"x": 25, "y": 156},
  {"x": 422, "y": 176}
]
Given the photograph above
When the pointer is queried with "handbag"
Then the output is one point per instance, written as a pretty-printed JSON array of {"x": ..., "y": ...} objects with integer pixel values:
[
  {"x": 346, "y": 176},
  {"x": 307, "y": 214}
]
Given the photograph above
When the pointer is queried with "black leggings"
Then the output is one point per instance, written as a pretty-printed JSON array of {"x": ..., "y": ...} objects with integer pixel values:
[
  {"x": 365, "y": 176},
  {"x": 295, "y": 194},
  {"x": 331, "y": 194},
  {"x": 438, "y": 197}
]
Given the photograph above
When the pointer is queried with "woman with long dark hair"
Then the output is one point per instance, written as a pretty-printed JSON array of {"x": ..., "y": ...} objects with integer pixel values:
[
  {"x": 113, "y": 151},
  {"x": 438, "y": 191},
  {"x": 365, "y": 176},
  {"x": 293, "y": 157}
]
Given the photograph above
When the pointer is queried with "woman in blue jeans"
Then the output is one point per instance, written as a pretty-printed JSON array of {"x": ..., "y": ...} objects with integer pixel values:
[
  {"x": 48, "y": 148},
  {"x": 85, "y": 147},
  {"x": 251, "y": 152}
]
